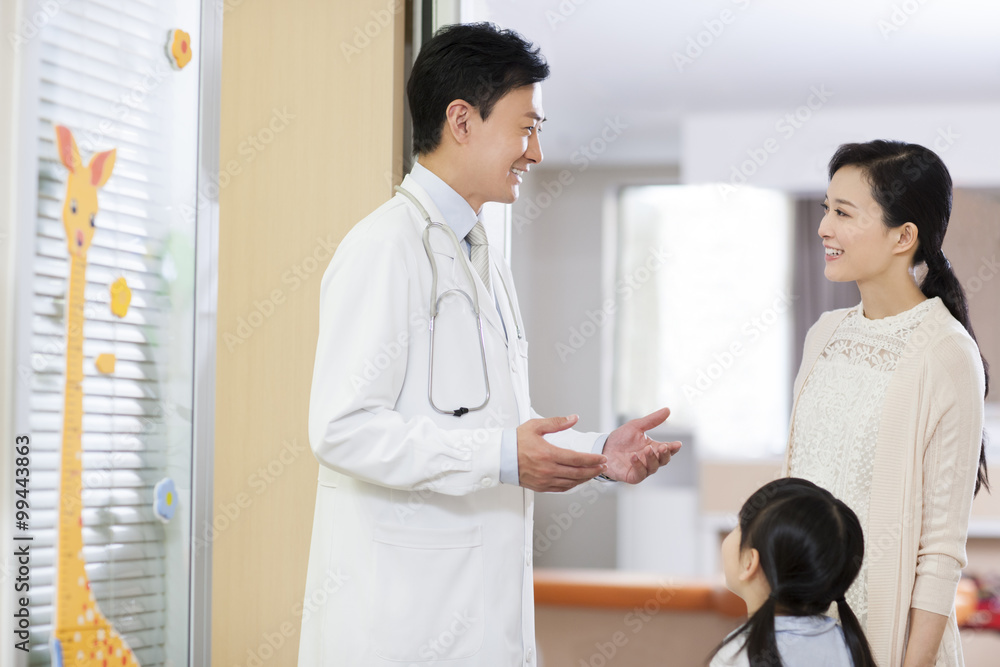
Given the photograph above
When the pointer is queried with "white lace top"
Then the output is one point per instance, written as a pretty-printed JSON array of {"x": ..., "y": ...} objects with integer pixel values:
[{"x": 837, "y": 417}]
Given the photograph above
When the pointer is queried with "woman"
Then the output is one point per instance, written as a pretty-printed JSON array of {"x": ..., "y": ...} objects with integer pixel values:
[{"x": 888, "y": 411}]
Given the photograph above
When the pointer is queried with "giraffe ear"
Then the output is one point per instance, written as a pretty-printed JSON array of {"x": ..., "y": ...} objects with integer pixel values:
[
  {"x": 100, "y": 167},
  {"x": 69, "y": 154}
]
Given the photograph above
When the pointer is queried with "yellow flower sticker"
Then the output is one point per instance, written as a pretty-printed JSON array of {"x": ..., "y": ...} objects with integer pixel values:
[
  {"x": 121, "y": 297},
  {"x": 105, "y": 364},
  {"x": 178, "y": 48}
]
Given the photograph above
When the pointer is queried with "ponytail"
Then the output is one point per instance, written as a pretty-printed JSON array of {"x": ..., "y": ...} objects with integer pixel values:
[
  {"x": 761, "y": 646},
  {"x": 942, "y": 282},
  {"x": 857, "y": 644}
]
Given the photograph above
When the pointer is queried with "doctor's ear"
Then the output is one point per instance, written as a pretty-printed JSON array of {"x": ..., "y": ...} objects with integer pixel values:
[{"x": 457, "y": 117}]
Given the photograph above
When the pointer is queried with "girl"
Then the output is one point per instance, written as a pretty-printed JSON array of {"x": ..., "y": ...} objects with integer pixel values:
[
  {"x": 795, "y": 551},
  {"x": 888, "y": 411}
]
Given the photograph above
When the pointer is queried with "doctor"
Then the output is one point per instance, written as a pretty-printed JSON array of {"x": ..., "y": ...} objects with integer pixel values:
[{"x": 422, "y": 537}]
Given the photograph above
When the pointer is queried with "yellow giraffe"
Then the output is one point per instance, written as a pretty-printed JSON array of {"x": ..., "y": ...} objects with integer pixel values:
[{"x": 82, "y": 636}]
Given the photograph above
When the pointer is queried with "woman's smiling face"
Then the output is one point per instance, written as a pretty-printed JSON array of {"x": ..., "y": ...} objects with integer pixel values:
[{"x": 858, "y": 245}]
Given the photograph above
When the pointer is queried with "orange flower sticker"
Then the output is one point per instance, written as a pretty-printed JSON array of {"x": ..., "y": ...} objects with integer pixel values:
[{"x": 178, "y": 48}]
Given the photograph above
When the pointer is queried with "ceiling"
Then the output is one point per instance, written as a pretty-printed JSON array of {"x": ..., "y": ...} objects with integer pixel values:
[{"x": 639, "y": 64}]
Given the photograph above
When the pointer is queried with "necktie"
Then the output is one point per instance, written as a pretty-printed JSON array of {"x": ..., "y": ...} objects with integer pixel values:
[{"x": 480, "y": 255}]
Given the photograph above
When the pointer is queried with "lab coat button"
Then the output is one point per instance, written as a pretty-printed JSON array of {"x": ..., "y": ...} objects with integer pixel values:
[
  {"x": 529, "y": 655},
  {"x": 527, "y": 557},
  {"x": 486, "y": 481}
]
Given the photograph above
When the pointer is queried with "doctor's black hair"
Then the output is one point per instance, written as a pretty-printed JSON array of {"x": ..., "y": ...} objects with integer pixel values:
[
  {"x": 811, "y": 546},
  {"x": 475, "y": 62},
  {"x": 910, "y": 183}
]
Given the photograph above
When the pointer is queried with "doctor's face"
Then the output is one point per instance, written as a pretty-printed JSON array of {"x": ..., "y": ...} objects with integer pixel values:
[{"x": 507, "y": 145}]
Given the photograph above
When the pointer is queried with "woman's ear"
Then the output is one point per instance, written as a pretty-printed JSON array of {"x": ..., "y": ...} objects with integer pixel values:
[
  {"x": 749, "y": 564},
  {"x": 907, "y": 239}
]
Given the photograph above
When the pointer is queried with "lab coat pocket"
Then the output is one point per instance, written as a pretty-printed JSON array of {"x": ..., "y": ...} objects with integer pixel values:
[{"x": 430, "y": 589}]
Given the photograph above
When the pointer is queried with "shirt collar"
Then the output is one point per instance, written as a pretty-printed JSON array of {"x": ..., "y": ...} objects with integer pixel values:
[
  {"x": 804, "y": 625},
  {"x": 456, "y": 211}
]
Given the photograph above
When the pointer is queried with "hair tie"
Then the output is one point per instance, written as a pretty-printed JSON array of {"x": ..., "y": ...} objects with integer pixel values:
[{"x": 938, "y": 261}]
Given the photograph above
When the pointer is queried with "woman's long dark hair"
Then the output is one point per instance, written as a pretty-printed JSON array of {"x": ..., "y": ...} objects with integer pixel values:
[
  {"x": 811, "y": 546},
  {"x": 911, "y": 184}
]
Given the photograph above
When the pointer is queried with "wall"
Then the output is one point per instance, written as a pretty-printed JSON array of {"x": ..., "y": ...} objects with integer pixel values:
[
  {"x": 315, "y": 134},
  {"x": 764, "y": 150},
  {"x": 972, "y": 245}
]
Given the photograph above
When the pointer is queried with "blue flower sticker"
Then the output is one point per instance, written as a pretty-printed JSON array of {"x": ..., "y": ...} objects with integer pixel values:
[
  {"x": 165, "y": 499},
  {"x": 57, "y": 656}
]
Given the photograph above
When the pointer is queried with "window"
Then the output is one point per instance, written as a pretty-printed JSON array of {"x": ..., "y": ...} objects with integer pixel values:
[
  {"x": 704, "y": 315},
  {"x": 100, "y": 68}
]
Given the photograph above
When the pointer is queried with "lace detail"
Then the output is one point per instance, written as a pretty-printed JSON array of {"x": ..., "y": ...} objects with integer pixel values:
[{"x": 837, "y": 418}]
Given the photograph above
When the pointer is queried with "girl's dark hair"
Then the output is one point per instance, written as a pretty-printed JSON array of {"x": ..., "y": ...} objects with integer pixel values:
[
  {"x": 911, "y": 184},
  {"x": 476, "y": 62},
  {"x": 811, "y": 546}
]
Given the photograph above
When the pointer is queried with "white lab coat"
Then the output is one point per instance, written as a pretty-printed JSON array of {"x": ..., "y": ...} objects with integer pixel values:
[{"x": 419, "y": 555}]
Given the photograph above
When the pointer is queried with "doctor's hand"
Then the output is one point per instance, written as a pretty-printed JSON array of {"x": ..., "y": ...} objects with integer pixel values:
[
  {"x": 542, "y": 466},
  {"x": 632, "y": 455}
]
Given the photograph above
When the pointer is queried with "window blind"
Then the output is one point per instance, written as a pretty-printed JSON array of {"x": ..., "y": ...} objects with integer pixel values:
[{"x": 103, "y": 73}]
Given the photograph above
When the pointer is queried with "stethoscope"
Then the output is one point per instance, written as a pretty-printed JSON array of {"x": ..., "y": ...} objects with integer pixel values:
[{"x": 436, "y": 299}]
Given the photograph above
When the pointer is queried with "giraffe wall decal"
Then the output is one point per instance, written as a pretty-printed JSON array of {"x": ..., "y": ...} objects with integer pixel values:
[{"x": 82, "y": 635}]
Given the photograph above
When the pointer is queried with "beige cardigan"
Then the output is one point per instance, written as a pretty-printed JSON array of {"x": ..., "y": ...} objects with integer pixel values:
[{"x": 926, "y": 458}]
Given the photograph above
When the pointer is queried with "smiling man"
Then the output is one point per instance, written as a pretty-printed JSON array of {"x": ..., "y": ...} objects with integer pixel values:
[{"x": 419, "y": 415}]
